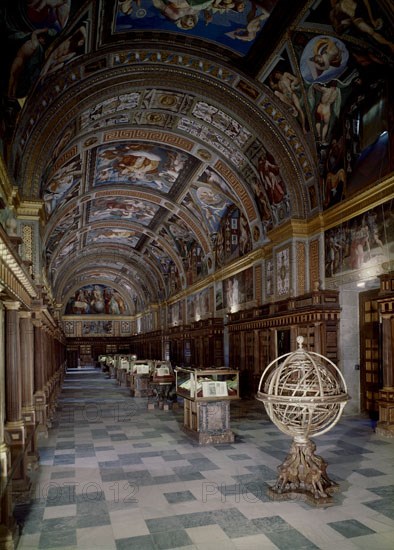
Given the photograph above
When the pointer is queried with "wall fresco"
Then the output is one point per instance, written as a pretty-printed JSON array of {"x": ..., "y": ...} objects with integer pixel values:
[
  {"x": 199, "y": 305},
  {"x": 238, "y": 290},
  {"x": 63, "y": 185},
  {"x": 364, "y": 242},
  {"x": 233, "y": 239},
  {"x": 96, "y": 299}
]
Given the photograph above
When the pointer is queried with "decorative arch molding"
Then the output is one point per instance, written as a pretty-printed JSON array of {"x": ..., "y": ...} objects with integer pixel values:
[
  {"x": 267, "y": 120},
  {"x": 149, "y": 272},
  {"x": 149, "y": 196}
]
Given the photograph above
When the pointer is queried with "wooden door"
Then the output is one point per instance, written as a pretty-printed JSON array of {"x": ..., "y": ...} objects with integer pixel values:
[
  {"x": 370, "y": 353},
  {"x": 72, "y": 358}
]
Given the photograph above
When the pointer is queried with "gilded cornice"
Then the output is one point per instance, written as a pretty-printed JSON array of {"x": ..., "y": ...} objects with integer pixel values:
[
  {"x": 378, "y": 194},
  {"x": 355, "y": 205},
  {"x": 288, "y": 230},
  {"x": 100, "y": 317},
  {"x": 31, "y": 210},
  {"x": 13, "y": 275},
  {"x": 228, "y": 271}
]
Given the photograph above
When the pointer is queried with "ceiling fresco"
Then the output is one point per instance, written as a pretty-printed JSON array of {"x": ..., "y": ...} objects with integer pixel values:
[
  {"x": 233, "y": 24},
  {"x": 167, "y": 139}
]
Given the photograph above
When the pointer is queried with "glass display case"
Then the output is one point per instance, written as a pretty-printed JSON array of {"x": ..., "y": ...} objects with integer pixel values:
[
  {"x": 207, "y": 394},
  {"x": 163, "y": 383},
  {"x": 139, "y": 377},
  {"x": 207, "y": 384}
]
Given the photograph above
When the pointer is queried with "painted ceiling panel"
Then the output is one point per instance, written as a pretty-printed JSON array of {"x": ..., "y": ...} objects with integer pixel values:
[
  {"x": 138, "y": 163},
  {"x": 233, "y": 24},
  {"x": 148, "y": 127}
]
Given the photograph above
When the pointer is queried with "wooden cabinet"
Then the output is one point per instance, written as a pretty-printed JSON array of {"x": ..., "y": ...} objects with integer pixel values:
[
  {"x": 258, "y": 335},
  {"x": 207, "y": 348}
]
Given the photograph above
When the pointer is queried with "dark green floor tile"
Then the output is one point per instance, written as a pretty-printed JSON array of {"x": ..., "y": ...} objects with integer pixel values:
[
  {"x": 242, "y": 530},
  {"x": 369, "y": 472},
  {"x": 160, "y": 525},
  {"x": 92, "y": 520},
  {"x": 229, "y": 517},
  {"x": 57, "y": 539},
  {"x": 387, "y": 491},
  {"x": 90, "y": 507},
  {"x": 31, "y": 526},
  {"x": 239, "y": 457},
  {"x": 63, "y": 474},
  {"x": 384, "y": 506},
  {"x": 350, "y": 528},
  {"x": 138, "y": 543},
  {"x": 187, "y": 473},
  {"x": 61, "y": 445},
  {"x": 291, "y": 540},
  {"x": 59, "y": 524},
  {"x": 128, "y": 459},
  {"x": 171, "y": 539},
  {"x": 196, "y": 519},
  {"x": 203, "y": 464},
  {"x": 262, "y": 472},
  {"x": 162, "y": 480},
  {"x": 112, "y": 474},
  {"x": 179, "y": 496},
  {"x": 118, "y": 437}
]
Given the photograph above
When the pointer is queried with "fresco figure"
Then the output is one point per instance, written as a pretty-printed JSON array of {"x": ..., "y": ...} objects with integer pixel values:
[
  {"x": 328, "y": 106},
  {"x": 345, "y": 15},
  {"x": 286, "y": 86},
  {"x": 359, "y": 240},
  {"x": 27, "y": 62},
  {"x": 249, "y": 33},
  {"x": 68, "y": 49},
  {"x": 323, "y": 59},
  {"x": 326, "y": 54},
  {"x": 54, "y": 13},
  {"x": 271, "y": 179},
  {"x": 334, "y": 187},
  {"x": 184, "y": 13}
]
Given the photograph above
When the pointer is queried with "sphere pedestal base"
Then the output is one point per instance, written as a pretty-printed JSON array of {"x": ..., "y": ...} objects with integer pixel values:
[{"x": 302, "y": 476}]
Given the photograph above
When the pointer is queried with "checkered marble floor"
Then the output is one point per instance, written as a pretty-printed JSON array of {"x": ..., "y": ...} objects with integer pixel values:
[{"x": 116, "y": 476}]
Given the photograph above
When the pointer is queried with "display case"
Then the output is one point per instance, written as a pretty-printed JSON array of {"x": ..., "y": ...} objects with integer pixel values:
[
  {"x": 207, "y": 394},
  {"x": 163, "y": 373},
  {"x": 207, "y": 384},
  {"x": 162, "y": 383},
  {"x": 139, "y": 377}
]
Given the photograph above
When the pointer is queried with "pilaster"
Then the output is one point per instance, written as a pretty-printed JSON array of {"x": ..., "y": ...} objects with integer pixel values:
[
  {"x": 385, "y": 425},
  {"x": 39, "y": 396},
  {"x": 27, "y": 366}
]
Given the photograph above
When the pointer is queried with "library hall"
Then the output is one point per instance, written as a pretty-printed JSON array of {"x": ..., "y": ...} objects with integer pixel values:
[{"x": 197, "y": 274}]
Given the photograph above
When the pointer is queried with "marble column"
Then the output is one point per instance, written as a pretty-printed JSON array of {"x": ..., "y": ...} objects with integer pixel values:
[
  {"x": 7, "y": 522},
  {"x": 40, "y": 401},
  {"x": 27, "y": 369},
  {"x": 15, "y": 427}
]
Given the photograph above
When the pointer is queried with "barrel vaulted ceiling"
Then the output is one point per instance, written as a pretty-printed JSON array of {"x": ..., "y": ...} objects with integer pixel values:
[{"x": 142, "y": 124}]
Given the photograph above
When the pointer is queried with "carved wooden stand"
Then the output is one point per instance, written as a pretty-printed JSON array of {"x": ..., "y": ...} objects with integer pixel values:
[{"x": 303, "y": 475}]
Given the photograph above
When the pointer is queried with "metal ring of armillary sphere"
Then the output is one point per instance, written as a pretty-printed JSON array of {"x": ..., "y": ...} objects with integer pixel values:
[{"x": 304, "y": 394}]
